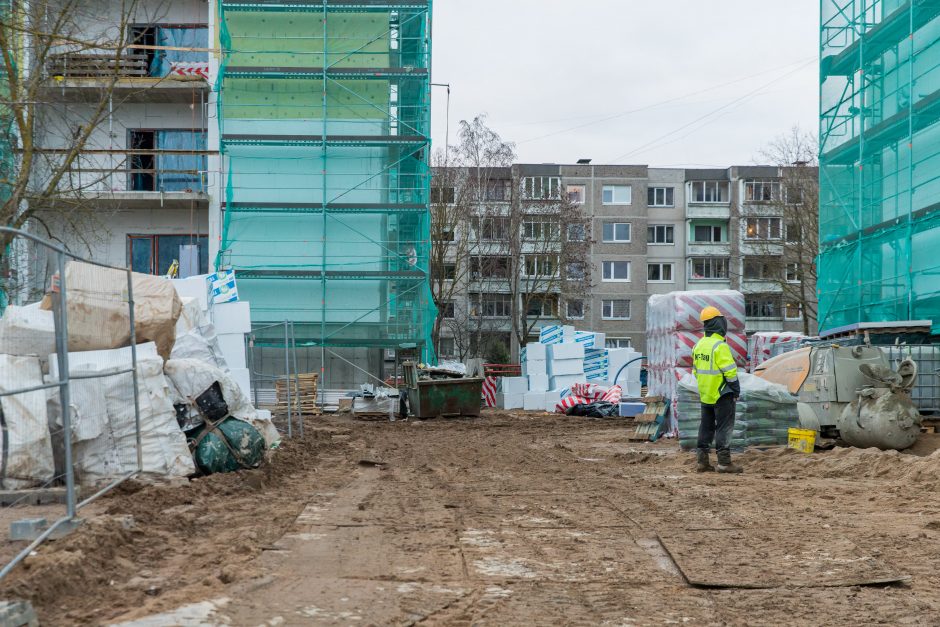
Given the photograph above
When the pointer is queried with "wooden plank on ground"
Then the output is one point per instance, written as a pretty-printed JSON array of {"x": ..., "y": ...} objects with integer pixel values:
[{"x": 773, "y": 558}]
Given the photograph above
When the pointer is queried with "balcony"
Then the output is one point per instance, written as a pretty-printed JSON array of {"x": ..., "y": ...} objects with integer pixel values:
[
  {"x": 761, "y": 286},
  {"x": 140, "y": 179},
  {"x": 755, "y": 325},
  {"x": 708, "y": 249},
  {"x": 707, "y": 211},
  {"x": 762, "y": 248},
  {"x": 133, "y": 78}
]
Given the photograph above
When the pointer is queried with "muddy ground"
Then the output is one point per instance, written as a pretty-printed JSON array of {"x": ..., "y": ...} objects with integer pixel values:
[{"x": 507, "y": 519}]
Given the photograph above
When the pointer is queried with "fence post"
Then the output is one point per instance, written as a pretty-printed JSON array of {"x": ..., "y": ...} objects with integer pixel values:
[
  {"x": 130, "y": 304},
  {"x": 62, "y": 359},
  {"x": 287, "y": 380}
]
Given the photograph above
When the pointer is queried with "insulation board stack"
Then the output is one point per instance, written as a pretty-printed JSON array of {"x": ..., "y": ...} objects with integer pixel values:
[
  {"x": 761, "y": 344},
  {"x": 629, "y": 380},
  {"x": 556, "y": 334},
  {"x": 511, "y": 391},
  {"x": 232, "y": 322},
  {"x": 565, "y": 365},
  {"x": 596, "y": 365},
  {"x": 672, "y": 330}
]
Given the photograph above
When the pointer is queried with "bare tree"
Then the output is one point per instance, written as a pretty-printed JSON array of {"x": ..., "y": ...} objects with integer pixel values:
[
  {"x": 45, "y": 183},
  {"x": 796, "y": 154},
  {"x": 468, "y": 196},
  {"x": 549, "y": 254}
]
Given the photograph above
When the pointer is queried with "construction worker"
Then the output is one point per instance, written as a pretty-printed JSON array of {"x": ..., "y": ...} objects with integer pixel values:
[{"x": 718, "y": 387}]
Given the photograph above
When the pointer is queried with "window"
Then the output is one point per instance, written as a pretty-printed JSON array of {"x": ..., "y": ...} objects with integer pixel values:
[
  {"x": 161, "y": 63},
  {"x": 449, "y": 309},
  {"x": 574, "y": 309},
  {"x": 761, "y": 269},
  {"x": 499, "y": 190},
  {"x": 446, "y": 233},
  {"x": 763, "y": 228},
  {"x": 660, "y": 197},
  {"x": 619, "y": 342},
  {"x": 541, "y": 187},
  {"x": 576, "y": 232},
  {"x": 617, "y": 271},
  {"x": 707, "y": 233},
  {"x": 709, "y": 268},
  {"x": 659, "y": 272},
  {"x": 794, "y": 311},
  {"x": 544, "y": 266},
  {"x": 793, "y": 232},
  {"x": 489, "y": 267},
  {"x": 794, "y": 194},
  {"x": 762, "y": 306},
  {"x": 446, "y": 347},
  {"x": 615, "y": 310},
  {"x": 576, "y": 194},
  {"x": 576, "y": 271},
  {"x": 491, "y": 305},
  {"x": 540, "y": 228},
  {"x": 616, "y": 231},
  {"x": 449, "y": 271},
  {"x": 442, "y": 195},
  {"x": 618, "y": 194},
  {"x": 711, "y": 191},
  {"x": 491, "y": 229},
  {"x": 661, "y": 234},
  {"x": 793, "y": 273},
  {"x": 761, "y": 191},
  {"x": 542, "y": 306},
  {"x": 153, "y": 254},
  {"x": 151, "y": 170}
]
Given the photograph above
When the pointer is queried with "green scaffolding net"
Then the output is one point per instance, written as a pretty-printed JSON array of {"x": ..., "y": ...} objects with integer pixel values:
[
  {"x": 324, "y": 112},
  {"x": 879, "y": 162}
]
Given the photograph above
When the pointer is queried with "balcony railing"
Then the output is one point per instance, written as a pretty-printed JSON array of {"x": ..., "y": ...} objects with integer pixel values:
[
  {"x": 100, "y": 65},
  {"x": 107, "y": 171}
]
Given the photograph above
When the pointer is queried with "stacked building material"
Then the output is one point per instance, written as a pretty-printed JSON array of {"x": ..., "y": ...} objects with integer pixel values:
[
  {"x": 672, "y": 330},
  {"x": 760, "y": 346},
  {"x": 763, "y": 414}
]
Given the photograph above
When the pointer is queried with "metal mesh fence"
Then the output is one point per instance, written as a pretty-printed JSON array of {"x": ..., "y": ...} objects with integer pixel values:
[{"x": 70, "y": 417}]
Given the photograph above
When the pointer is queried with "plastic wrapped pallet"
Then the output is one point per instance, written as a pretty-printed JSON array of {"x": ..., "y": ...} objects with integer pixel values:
[
  {"x": 105, "y": 438},
  {"x": 680, "y": 311},
  {"x": 196, "y": 337},
  {"x": 761, "y": 344},
  {"x": 189, "y": 378},
  {"x": 27, "y": 330},
  {"x": 27, "y": 453}
]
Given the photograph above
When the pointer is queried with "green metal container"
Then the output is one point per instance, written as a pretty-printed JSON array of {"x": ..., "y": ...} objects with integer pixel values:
[{"x": 445, "y": 398}]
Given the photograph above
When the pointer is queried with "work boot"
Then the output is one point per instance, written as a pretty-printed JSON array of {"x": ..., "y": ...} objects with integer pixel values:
[
  {"x": 726, "y": 466},
  {"x": 703, "y": 464}
]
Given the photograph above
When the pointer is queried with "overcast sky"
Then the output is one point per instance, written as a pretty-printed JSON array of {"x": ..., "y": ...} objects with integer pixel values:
[{"x": 691, "y": 83}]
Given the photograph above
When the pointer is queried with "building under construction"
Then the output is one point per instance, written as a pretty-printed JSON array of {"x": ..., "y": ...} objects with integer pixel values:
[
  {"x": 879, "y": 159},
  {"x": 324, "y": 117}
]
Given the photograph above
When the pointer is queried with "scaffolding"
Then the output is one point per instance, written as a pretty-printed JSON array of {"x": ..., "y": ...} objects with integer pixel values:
[
  {"x": 879, "y": 162},
  {"x": 324, "y": 113}
]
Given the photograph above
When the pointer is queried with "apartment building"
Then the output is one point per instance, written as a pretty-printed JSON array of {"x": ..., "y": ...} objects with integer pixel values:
[
  {"x": 143, "y": 184},
  {"x": 650, "y": 231}
]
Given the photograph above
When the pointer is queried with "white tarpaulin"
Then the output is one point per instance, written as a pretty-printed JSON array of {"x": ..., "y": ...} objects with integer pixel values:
[
  {"x": 27, "y": 330},
  {"x": 196, "y": 337},
  {"x": 103, "y": 413},
  {"x": 28, "y": 461},
  {"x": 191, "y": 378}
]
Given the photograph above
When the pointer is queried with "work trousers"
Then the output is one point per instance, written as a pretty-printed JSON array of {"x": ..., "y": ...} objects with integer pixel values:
[{"x": 717, "y": 424}]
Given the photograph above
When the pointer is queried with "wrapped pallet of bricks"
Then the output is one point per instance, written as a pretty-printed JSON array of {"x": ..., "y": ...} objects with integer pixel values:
[
  {"x": 761, "y": 345},
  {"x": 673, "y": 328}
]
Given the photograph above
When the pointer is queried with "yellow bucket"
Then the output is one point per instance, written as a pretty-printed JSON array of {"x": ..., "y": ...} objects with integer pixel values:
[{"x": 803, "y": 440}]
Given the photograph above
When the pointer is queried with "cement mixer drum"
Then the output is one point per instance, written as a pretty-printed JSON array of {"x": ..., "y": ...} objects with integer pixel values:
[{"x": 881, "y": 419}]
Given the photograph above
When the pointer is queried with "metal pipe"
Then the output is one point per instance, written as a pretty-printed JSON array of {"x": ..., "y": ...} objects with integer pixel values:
[
  {"x": 293, "y": 348},
  {"x": 290, "y": 419},
  {"x": 32, "y": 546},
  {"x": 35, "y": 388},
  {"x": 134, "y": 374},
  {"x": 62, "y": 361},
  {"x": 106, "y": 489}
]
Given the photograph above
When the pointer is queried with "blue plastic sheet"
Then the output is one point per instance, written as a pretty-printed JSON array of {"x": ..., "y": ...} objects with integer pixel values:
[{"x": 179, "y": 38}]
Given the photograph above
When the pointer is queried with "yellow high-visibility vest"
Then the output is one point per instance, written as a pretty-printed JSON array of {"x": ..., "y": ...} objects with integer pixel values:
[{"x": 712, "y": 365}]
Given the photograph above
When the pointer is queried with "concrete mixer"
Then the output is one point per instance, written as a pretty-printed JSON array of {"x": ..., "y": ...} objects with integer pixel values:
[{"x": 850, "y": 393}]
